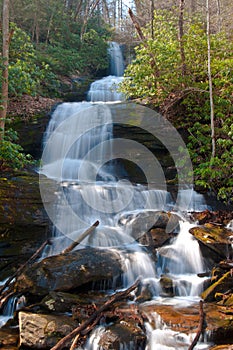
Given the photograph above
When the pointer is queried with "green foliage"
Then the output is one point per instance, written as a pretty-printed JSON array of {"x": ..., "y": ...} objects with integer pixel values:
[
  {"x": 11, "y": 153},
  {"x": 94, "y": 52},
  {"x": 26, "y": 75},
  {"x": 156, "y": 76}
]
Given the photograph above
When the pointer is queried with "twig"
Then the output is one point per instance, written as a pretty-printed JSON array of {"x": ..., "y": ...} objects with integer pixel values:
[
  {"x": 73, "y": 345},
  {"x": 81, "y": 238},
  {"x": 200, "y": 326},
  {"x": 118, "y": 296}
]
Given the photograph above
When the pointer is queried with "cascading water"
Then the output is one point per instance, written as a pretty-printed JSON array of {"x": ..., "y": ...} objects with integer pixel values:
[
  {"x": 78, "y": 154},
  {"x": 105, "y": 89},
  {"x": 78, "y": 168}
]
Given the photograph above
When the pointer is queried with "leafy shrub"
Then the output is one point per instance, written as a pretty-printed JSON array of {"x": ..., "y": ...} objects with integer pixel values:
[
  {"x": 156, "y": 76},
  {"x": 11, "y": 153}
]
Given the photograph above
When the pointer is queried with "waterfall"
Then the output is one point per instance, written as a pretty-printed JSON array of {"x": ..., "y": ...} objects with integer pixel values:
[
  {"x": 182, "y": 262},
  {"x": 116, "y": 60},
  {"x": 79, "y": 185},
  {"x": 105, "y": 89}
]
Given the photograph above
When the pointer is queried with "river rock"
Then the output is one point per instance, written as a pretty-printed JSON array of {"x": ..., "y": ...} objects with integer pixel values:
[
  {"x": 185, "y": 319},
  {"x": 9, "y": 338},
  {"x": 147, "y": 220},
  {"x": 166, "y": 284},
  {"x": 124, "y": 333},
  {"x": 43, "y": 331},
  {"x": 215, "y": 241},
  {"x": 222, "y": 285},
  {"x": 69, "y": 271}
]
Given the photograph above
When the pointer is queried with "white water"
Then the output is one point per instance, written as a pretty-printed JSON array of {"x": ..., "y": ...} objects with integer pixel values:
[
  {"x": 77, "y": 158},
  {"x": 182, "y": 262},
  {"x": 161, "y": 337},
  {"x": 106, "y": 89},
  {"x": 78, "y": 154}
]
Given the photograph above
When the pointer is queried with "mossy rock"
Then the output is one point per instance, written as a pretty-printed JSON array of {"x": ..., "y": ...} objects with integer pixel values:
[
  {"x": 222, "y": 285},
  {"x": 214, "y": 238}
]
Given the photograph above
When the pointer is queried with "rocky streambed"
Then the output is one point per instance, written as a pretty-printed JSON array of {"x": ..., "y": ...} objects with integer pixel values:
[{"x": 57, "y": 294}]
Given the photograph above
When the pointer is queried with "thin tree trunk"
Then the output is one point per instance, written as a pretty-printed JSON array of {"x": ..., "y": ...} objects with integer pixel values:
[
  {"x": 5, "y": 55},
  {"x": 210, "y": 81},
  {"x": 49, "y": 27},
  {"x": 78, "y": 9},
  {"x": 219, "y": 15},
  {"x": 181, "y": 34},
  {"x": 152, "y": 18},
  {"x": 143, "y": 40}
]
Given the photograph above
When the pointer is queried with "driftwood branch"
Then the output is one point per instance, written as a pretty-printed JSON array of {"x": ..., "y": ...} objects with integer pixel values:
[
  {"x": 81, "y": 238},
  {"x": 200, "y": 326},
  {"x": 22, "y": 267},
  {"x": 96, "y": 315}
]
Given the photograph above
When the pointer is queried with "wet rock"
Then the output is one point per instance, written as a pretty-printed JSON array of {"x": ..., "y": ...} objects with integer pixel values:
[
  {"x": 144, "y": 293},
  {"x": 222, "y": 347},
  {"x": 185, "y": 319},
  {"x": 167, "y": 286},
  {"x": 69, "y": 271},
  {"x": 173, "y": 316},
  {"x": 222, "y": 285},
  {"x": 147, "y": 220},
  {"x": 221, "y": 217},
  {"x": 60, "y": 302},
  {"x": 124, "y": 333},
  {"x": 23, "y": 221},
  {"x": 43, "y": 331},
  {"x": 9, "y": 338},
  {"x": 219, "y": 322},
  {"x": 215, "y": 241}
]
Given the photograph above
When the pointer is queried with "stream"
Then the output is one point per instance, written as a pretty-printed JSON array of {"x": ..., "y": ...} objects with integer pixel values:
[
  {"x": 83, "y": 179},
  {"x": 81, "y": 155}
]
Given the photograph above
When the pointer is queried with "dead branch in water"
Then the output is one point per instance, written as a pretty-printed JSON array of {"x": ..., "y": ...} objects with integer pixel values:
[
  {"x": 92, "y": 320},
  {"x": 81, "y": 238},
  {"x": 200, "y": 326}
]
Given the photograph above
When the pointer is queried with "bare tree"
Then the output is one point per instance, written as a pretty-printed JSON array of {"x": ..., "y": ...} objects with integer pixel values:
[
  {"x": 181, "y": 34},
  {"x": 5, "y": 56},
  {"x": 210, "y": 79}
]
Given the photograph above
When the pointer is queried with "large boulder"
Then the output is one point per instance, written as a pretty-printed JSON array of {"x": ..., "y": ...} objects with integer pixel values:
[{"x": 66, "y": 272}]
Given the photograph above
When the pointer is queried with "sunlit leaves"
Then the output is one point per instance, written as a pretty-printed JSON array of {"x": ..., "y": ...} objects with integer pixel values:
[{"x": 163, "y": 81}]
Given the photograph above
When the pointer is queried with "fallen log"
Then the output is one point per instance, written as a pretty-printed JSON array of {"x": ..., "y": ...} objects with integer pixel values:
[
  {"x": 201, "y": 326},
  {"x": 81, "y": 238},
  {"x": 96, "y": 315}
]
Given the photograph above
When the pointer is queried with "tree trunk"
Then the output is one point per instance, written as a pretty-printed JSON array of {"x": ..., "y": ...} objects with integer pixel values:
[
  {"x": 152, "y": 18},
  {"x": 5, "y": 55},
  {"x": 181, "y": 34},
  {"x": 219, "y": 15},
  {"x": 210, "y": 80}
]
